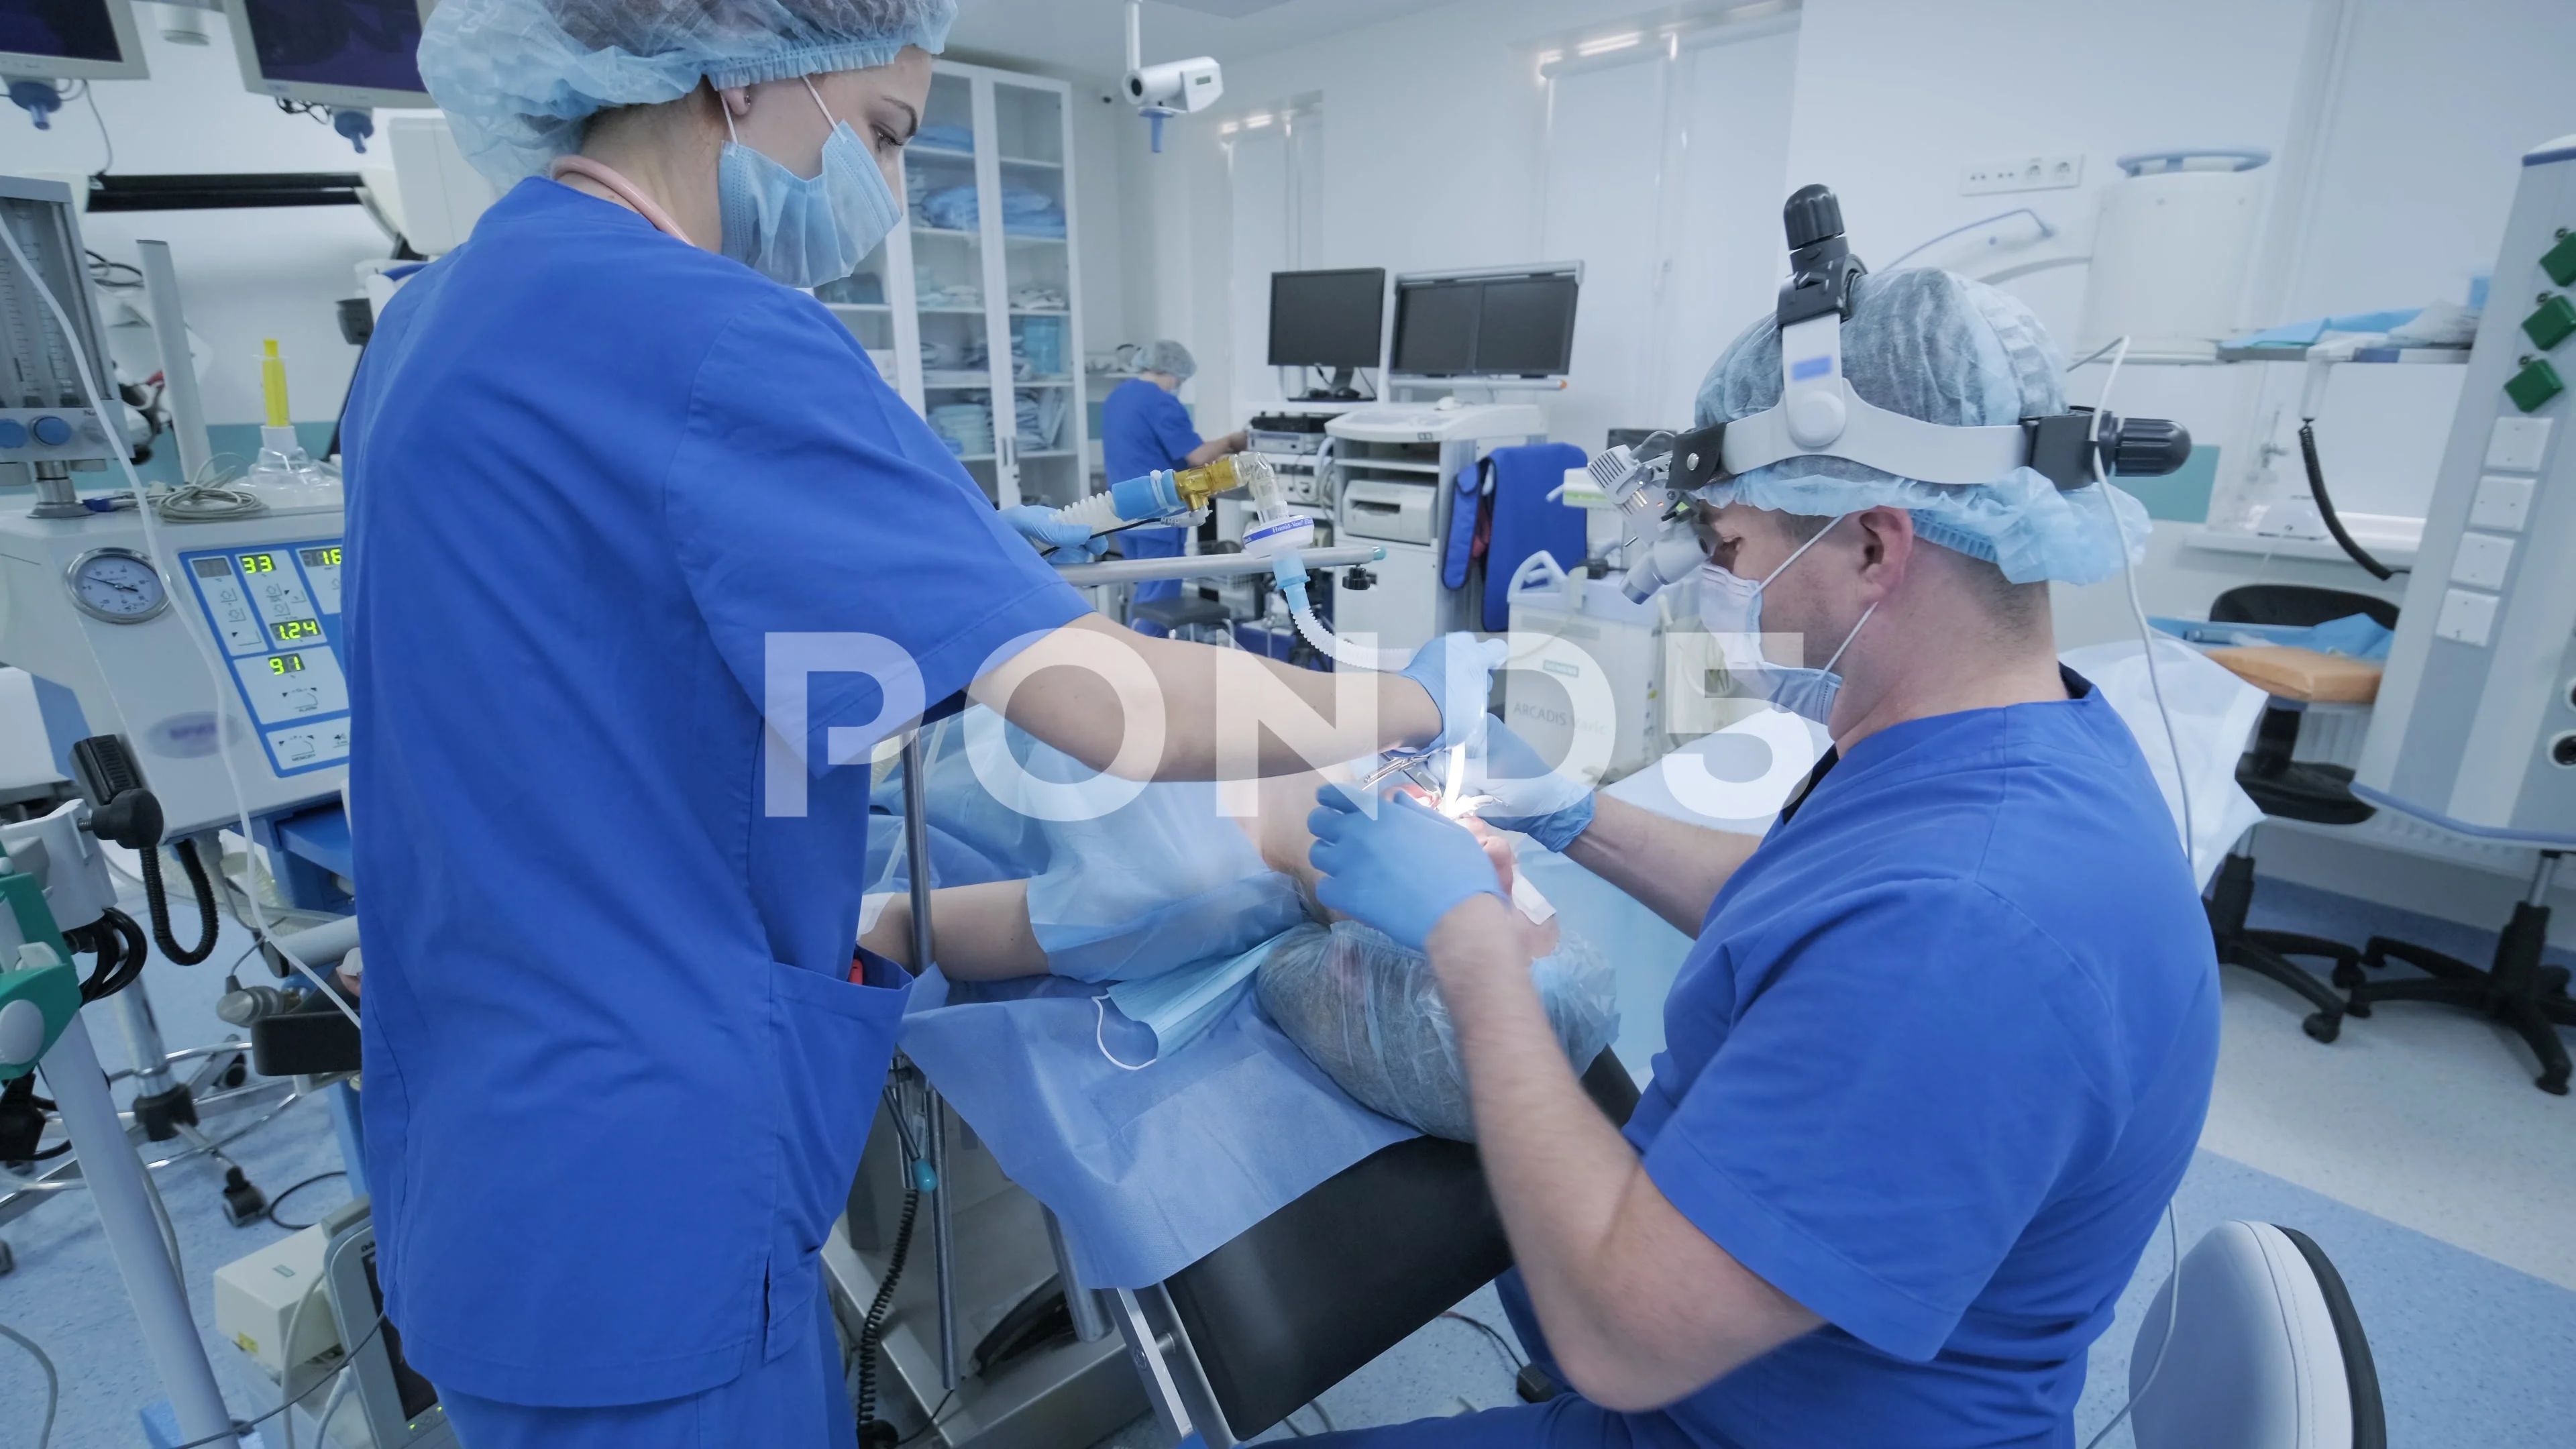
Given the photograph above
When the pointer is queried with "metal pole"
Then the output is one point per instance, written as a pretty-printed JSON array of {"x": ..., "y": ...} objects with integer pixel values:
[
  {"x": 916, "y": 856},
  {"x": 943, "y": 1240},
  {"x": 178, "y": 370},
  {"x": 1209, "y": 565},
  {"x": 1090, "y": 1325},
  {"x": 144, "y": 1048},
  {"x": 116, "y": 1185},
  {"x": 2541, "y": 876}
]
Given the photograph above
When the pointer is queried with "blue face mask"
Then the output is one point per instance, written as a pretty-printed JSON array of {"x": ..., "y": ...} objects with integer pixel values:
[
  {"x": 1730, "y": 607},
  {"x": 1178, "y": 1005},
  {"x": 798, "y": 230}
]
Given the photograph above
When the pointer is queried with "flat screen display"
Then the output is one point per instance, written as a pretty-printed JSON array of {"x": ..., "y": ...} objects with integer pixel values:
[
  {"x": 1327, "y": 319},
  {"x": 60, "y": 29},
  {"x": 1499, "y": 326},
  {"x": 1435, "y": 328},
  {"x": 370, "y": 44},
  {"x": 1525, "y": 327}
]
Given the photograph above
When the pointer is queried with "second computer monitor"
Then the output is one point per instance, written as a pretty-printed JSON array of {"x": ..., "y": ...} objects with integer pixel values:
[
  {"x": 1333, "y": 319},
  {"x": 1500, "y": 324},
  {"x": 331, "y": 52}
]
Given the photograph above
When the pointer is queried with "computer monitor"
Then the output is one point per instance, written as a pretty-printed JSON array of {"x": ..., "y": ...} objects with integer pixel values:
[
  {"x": 70, "y": 40},
  {"x": 346, "y": 53},
  {"x": 1333, "y": 319},
  {"x": 1516, "y": 323}
]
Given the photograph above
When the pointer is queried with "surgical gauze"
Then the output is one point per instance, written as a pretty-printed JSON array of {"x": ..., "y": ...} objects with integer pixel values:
[{"x": 1369, "y": 1012}]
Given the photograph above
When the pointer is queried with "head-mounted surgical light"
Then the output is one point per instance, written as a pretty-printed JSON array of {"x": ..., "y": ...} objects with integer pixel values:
[{"x": 1820, "y": 416}]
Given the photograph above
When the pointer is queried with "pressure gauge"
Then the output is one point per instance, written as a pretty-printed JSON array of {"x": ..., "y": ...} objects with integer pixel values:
[{"x": 117, "y": 585}]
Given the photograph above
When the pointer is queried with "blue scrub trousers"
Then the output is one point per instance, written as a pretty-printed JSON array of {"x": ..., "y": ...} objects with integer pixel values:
[
  {"x": 1152, "y": 543},
  {"x": 795, "y": 1401},
  {"x": 1568, "y": 1421}
]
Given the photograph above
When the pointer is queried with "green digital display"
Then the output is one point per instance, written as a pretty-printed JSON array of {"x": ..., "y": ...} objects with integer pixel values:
[
  {"x": 295, "y": 629},
  {"x": 286, "y": 664},
  {"x": 321, "y": 558},
  {"x": 259, "y": 563}
]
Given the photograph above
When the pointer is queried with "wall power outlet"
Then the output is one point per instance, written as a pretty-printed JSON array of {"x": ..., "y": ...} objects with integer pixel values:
[{"x": 2023, "y": 173}]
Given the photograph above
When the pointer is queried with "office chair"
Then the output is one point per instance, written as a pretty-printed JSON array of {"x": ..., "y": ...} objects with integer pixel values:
[
  {"x": 2290, "y": 790},
  {"x": 2267, "y": 1352},
  {"x": 1189, "y": 616},
  {"x": 2516, "y": 988}
]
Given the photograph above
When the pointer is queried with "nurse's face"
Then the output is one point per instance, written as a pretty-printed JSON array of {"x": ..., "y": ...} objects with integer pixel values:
[{"x": 882, "y": 104}]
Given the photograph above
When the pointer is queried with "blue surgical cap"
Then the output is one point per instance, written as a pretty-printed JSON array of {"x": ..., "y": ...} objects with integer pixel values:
[
  {"x": 1169, "y": 358},
  {"x": 518, "y": 78},
  {"x": 1935, "y": 346}
]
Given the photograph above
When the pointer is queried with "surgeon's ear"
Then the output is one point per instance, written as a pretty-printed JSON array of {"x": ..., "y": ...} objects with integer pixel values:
[
  {"x": 736, "y": 100},
  {"x": 1887, "y": 550}
]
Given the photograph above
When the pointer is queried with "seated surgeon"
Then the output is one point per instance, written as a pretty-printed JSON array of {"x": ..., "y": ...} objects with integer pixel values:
[{"x": 1942, "y": 1049}]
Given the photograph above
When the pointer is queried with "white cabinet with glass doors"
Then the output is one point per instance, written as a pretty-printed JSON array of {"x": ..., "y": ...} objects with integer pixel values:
[{"x": 971, "y": 307}]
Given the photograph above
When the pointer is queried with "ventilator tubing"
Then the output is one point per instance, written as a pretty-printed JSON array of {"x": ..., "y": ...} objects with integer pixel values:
[
  {"x": 1290, "y": 571},
  {"x": 1165, "y": 494}
]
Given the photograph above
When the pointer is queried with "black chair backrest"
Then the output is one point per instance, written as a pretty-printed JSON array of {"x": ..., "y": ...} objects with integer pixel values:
[
  {"x": 1306, "y": 1296},
  {"x": 2296, "y": 605}
]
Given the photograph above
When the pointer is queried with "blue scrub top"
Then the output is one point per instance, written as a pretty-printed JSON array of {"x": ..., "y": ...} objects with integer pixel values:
[
  {"x": 1934, "y": 1067},
  {"x": 1144, "y": 429},
  {"x": 617, "y": 1078}
]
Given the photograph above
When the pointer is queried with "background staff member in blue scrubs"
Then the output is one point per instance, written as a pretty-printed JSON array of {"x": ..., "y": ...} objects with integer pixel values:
[
  {"x": 1943, "y": 1047},
  {"x": 618, "y": 1069},
  {"x": 1145, "y": 429}
]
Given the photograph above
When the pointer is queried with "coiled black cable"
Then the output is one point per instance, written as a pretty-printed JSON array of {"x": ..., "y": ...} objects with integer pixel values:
[
  {"x": 872, "y": 1328},
  {"x": 2326, "y": 508},
  {"x": 158, "y": 900},
  {"x": 118, "y": 943}
]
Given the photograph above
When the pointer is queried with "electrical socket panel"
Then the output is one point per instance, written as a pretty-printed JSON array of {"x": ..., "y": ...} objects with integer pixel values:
[{"x": 2023, "y": 173}]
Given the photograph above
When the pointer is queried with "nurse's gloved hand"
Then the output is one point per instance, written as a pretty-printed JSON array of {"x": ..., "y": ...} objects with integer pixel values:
[
  {"x": 1039, "y": 526},
  {"x": 1525, "y": 794},
  {"x": 1401, "y": 872},
  {"x": 1458, "y": 670}
]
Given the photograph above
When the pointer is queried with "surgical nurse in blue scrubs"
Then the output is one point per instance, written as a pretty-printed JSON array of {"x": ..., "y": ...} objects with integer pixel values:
[
  {"x": 1144, "y": 429},
  {"x": 642, "y": 548},
  {"x": 1943, "y": 1046}
]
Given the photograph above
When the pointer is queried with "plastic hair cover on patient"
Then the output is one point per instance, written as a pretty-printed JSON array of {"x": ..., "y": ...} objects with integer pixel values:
[
  {"x": 1370, "y": 1014},
  {"x": 518, "y": 79}
]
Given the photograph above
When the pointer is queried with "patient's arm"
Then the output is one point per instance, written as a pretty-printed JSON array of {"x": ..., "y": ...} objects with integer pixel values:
[{"x": 981, "y": 932}]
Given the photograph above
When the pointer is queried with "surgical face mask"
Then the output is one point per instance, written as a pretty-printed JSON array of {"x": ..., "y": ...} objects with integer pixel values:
[
  {"x": 798, "y": 230},
  {"x": 1730, "y": 607},
  {"x": 1178, "y": 1005}
]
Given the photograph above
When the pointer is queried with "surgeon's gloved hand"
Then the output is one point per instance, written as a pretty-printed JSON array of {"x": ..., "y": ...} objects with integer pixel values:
[
  {"x": 1458, "y": 670},
  {"x": 1400, "y": 872},
  {"x": 1039, "y": 526},
  {"x": 1525, "y": 794}
]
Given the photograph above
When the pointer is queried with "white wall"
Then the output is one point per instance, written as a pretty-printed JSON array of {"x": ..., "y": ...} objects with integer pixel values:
[
  {"x": 243, "y": 275},
  {"x": 1434, "y": 130}
]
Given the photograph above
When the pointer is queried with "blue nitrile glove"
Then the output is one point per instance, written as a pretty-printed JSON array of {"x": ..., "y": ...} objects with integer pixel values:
[
  {"x": 1401, "y": 872},
  {"x": 1526, "y": 795},
  {"x": 1458, "y": 670},
  {"x": 1039, "y": 526}
]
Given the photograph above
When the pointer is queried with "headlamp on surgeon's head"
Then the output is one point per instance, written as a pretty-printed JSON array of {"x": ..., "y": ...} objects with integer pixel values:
[{"x": 1819, "y": 415}]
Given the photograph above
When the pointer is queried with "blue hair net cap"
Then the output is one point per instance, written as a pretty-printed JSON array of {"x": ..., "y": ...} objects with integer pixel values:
[
  {"x": 1169, "y": 358},
  {"x": 1935, "y": 346},
  {"x": 519, "y": 78}
]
